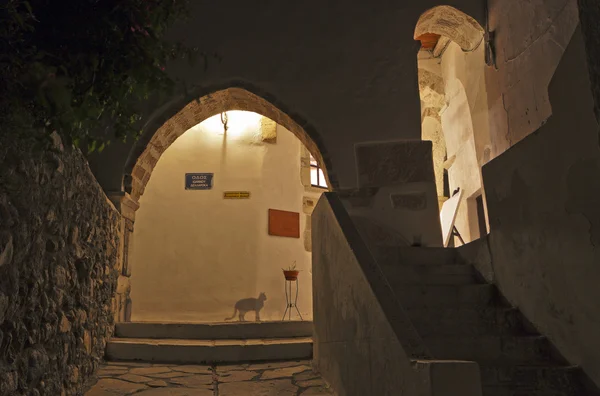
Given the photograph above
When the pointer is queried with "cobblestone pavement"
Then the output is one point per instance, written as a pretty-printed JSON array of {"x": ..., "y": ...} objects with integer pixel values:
[{"x": 264, "y": 379}]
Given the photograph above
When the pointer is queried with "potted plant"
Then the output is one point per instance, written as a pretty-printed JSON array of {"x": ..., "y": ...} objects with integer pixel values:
[{"x": 291, "y": 273}]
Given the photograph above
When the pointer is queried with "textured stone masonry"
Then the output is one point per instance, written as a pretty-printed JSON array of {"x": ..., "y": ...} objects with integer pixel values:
[
  {"x": 58, "y": 250},
  {"x": 196, "y": 112}
]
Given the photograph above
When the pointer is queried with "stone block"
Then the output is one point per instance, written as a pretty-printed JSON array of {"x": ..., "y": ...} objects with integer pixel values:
[
  {"x": 410, "y": 201},
  {"x": 307, "y": 223},
  {"x": 305, "y": 176},
  {"x": 308, "y": 204},
  {"x": 308, "y": 240},
  {"x": 208, "y": 351},
  {"x": 268, "y": 130},
  {"x": 199, "y": 331},
  {"x": 420, "y": 226},
  {"x": 448, "y": 378},
  {"x": 393, "y": 163},
  {"x": 123, "y": 285},
  {"x": 6, "y": 248}
]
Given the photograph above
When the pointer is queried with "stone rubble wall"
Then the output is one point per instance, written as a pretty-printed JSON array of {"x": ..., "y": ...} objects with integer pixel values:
[{"x": 59, "y": 242}]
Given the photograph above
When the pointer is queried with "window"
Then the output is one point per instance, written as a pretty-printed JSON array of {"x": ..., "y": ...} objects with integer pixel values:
[{"x": 317, "y": 177}]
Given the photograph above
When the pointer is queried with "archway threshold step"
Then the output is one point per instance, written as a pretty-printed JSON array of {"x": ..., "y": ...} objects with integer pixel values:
[
  {"x": 214, "y": 331},
  {"x": 208, "y": 351}
]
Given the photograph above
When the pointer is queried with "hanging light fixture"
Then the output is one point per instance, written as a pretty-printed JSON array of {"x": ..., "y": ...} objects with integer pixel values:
[{"x": 224, "y": 120}]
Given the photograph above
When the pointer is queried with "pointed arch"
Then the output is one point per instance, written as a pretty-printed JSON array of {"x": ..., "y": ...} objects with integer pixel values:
[
  {"x": 195, "y": 112},
  {"x": 451, "y": 23}
]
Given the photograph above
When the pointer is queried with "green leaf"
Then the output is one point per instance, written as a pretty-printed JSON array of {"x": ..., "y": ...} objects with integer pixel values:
[
  {"x": 92, "y": 146},
  {"x": 53, "y": 81}
]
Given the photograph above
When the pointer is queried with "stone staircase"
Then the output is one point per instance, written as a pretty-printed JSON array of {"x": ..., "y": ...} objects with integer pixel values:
[
  {"x": 199, "y": 343},
  {"x": 461, "y": 317}
]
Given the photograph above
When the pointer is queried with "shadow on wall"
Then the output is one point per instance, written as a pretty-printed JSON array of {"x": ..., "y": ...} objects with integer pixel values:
[
  {"x": 544, "y": 217},
  {"x": 245, "y": 305}
]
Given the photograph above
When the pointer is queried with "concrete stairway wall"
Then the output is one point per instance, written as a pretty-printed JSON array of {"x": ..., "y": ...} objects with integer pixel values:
[{"x": 364, "y": 341}]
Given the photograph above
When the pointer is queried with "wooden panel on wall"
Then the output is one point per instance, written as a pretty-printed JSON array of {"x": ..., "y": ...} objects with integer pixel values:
[{"x": 285, "y": 224}]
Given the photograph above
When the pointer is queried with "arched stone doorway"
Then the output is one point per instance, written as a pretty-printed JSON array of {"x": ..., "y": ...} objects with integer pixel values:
[
  {"x": 191, "y": 115},
  {"x": 199, "y": 110},
  {"x": 454, "y": 110}
]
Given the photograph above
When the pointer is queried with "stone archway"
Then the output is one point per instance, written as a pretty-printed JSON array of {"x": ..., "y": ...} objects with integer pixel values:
[
  {"x": 449, "y": 23},
  {"x": 197, "y": 111},
  {"x": 191, "y": 115},
  {"x": 454, "y": 105}
]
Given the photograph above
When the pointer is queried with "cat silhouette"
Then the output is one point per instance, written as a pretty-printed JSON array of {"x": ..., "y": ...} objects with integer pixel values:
[{"x": 245, "y": 305}]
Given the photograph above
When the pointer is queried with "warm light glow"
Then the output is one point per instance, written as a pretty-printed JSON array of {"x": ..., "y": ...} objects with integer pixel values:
[
  {"x": 238, "y": 123},
  {"x": 317, "y": 176}
]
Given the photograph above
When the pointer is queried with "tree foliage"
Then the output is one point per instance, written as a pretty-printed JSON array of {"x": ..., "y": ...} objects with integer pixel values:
[{"x": 81, "y": 67}]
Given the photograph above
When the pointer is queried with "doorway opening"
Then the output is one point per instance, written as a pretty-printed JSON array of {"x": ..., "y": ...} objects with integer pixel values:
[
  {"x": 454, "y": 108},
  {"x": 226, "y": 210}
]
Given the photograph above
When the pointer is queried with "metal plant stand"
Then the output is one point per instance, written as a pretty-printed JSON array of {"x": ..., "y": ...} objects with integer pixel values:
[{"x": 288, "y": 299}]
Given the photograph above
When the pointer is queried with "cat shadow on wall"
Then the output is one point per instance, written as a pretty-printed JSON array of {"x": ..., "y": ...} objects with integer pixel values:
[{"x": 245, "y": 305}]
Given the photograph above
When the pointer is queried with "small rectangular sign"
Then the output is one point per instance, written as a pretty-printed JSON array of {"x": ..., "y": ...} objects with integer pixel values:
[
  {"x": 198, "y": 181},
  {"x": 283, "y": 223},
  {"x": 236, "y": 194}
]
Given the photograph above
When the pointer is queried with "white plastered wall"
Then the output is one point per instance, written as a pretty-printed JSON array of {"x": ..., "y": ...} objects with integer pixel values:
[{"x": 196, "y": 253}]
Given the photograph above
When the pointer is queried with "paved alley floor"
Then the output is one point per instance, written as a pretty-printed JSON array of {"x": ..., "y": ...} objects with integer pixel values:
[{"x": 263, "y": 379}]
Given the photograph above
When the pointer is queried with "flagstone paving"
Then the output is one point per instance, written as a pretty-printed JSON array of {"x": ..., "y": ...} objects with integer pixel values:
[{"x": 264, "y": 379}]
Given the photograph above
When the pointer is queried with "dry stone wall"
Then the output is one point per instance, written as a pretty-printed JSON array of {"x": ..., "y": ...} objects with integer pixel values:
[{"x": 58, "y": 251}]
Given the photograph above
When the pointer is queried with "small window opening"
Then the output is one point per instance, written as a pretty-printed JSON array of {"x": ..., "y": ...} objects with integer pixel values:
[{"x": 317, "y": 177}]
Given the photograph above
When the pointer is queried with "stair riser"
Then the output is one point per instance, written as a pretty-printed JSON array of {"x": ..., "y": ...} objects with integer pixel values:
[
  {"x": 415, "y": 256},
  {"x": 231, "y": 330},
  {"x": 540, "y": 378},
  {"x": 452, "y": 274},
  {"x": 206, "y": 354},
  {"x": 467, "y": 322},
  {"x": 493, "y": 391},
  {"x": 525, "y": 351},
  {"x": 434, "y": 279},
  {"x": 443, "y": 296}
]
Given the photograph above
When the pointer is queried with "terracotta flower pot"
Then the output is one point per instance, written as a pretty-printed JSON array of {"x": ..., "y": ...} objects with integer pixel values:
[{"x": 291, "y": 275}]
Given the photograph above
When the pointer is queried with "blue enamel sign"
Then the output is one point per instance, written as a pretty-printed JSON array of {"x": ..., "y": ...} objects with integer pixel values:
[{"x": 198, "y": 181}]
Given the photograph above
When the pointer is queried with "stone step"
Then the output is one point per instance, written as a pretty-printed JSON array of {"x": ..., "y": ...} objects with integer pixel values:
[
  {"x": 467, "y": 321},
  {"x": 208, "y": 351},
  {"x": 447, "y": 296},
  {"x": 414, "y": 255},
  {"x": 565, "y": 378},
  {"x": 497, "y": 350},
  {"x": 214, "y": 331},
  {"x": 449, "y": 274},
  {"x": 525, "y": 391},
  {"x": 527, "y": 380}
]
